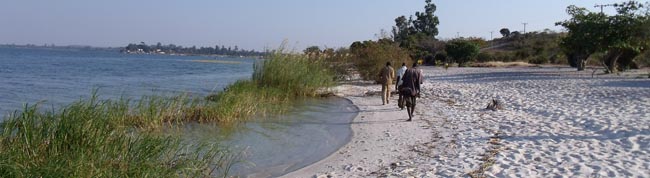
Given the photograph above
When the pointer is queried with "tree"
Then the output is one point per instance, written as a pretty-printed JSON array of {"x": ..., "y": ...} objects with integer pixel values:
[
  {"x": 626, "y": 37},
  {"x": 462, "y": 51},
  {"x": 584, "y": 37},
  {"x": 426, "y": 22},
  {"x": 416, "y": 34},
  {"x": 401, "y": 30},
  {"x": 505, "y": 32},
  {"x": 622, "y": 36}
]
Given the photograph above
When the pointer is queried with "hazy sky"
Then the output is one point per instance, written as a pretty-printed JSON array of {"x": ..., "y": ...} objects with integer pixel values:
[{"x": 260, "y": 24}]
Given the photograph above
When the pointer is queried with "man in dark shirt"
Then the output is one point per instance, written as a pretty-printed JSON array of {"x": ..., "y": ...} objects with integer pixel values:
[{"x": 411, "y": 88}]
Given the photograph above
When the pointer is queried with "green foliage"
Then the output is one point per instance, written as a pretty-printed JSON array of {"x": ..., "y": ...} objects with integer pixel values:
[
  {"x": 462, "y": 51},
  {"x": 534, "y": 46},
  {"x": 87, "y": 139},
  {"x": 426, "y": 23},
  {"x": 276, "y": 82},
  {"x": 480, "y": 42},
  {"x": 293, "y": 74},
  {"x": 418, "y": 35},
  {"x": 485, "y": 57},
  {"x": 369, "y": 57},
  {"x": 624, "y": 34}
]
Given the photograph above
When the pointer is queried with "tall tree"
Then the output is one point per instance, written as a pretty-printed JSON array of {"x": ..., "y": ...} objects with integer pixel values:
[
  {"x": 401, "y": 29},
  {"x": 417, "y": 34},
  {"x": 426, "y": 22}
]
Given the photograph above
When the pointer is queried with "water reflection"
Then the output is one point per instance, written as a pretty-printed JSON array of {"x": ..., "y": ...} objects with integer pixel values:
[{"x": 309, "y": 132}]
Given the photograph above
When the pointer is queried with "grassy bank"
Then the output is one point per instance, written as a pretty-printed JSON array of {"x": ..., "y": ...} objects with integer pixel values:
[
  {"x": 120, "y": 138},
  {"x": 276, "y": 82},
  {"x": 83, "y": 139}
]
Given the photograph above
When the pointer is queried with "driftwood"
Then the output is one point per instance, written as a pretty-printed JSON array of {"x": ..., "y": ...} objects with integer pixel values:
[{"x": 495, "y": 105}]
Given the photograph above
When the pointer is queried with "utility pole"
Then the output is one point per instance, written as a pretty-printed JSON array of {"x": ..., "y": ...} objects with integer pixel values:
[
  {"x": 603, "y": 5},
  {"x": 457, "y": 34},
  {"x": 491, "y": 34},
  {"x": 524, "y": 27}
]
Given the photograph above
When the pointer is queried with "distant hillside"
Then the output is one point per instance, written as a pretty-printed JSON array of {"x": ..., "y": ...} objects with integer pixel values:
[{"x": 533, "y": 47}]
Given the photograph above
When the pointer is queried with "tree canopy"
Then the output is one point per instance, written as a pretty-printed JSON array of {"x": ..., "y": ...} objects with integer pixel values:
[
  {"x": 417, "y": 35},
  {"x": 620, "y": 35},
  {"x": 462, "y": 51}
]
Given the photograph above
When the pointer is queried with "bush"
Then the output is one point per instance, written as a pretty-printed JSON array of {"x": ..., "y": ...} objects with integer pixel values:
[
  {"x": 462, "y": 51},
  {"x": 370, "y": 57},
  {"x": 485, "y": 57}
]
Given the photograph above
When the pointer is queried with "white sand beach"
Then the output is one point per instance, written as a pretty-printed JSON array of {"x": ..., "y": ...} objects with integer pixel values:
[{"x": 556, "y": 122}]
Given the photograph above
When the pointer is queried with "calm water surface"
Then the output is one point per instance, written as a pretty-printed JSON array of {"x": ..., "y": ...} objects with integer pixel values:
[
  {"x": 59, "y": 76},
  {"x": 273, "y": 146}
]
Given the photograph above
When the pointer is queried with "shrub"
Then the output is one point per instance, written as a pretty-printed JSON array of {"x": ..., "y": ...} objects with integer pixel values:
[
  {"x": 370, "y": 57},
  {"x": 462, "y": 51},
  {"x": 484, "y": 57}
]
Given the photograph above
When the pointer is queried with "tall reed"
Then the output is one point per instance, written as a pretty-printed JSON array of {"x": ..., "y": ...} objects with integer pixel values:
[
  {"x": 276, "y": 82},
  {"x": 86, "y": 139}
]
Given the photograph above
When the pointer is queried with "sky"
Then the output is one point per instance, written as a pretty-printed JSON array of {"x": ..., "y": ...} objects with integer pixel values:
[{"x": 262, "y": 24}]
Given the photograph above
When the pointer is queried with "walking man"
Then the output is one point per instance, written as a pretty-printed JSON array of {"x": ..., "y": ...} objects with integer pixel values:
[
  {"x": 400, "y": 75},
  {"x": 411, "y": 88},
  {"x": 387, "y": 74}
]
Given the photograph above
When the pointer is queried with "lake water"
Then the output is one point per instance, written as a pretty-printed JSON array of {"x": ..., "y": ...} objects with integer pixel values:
[
  {"x": 311, "y": 130},
  {"x": 60, "y": 76}
]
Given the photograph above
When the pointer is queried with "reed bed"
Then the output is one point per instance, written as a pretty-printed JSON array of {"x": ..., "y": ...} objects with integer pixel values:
[
  {"x": 87, "y": 139},
  {"x": 123, "y": 138}
]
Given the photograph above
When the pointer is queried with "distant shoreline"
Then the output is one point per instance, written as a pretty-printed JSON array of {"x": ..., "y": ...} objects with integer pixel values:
[{"x": 113, "y": 49}]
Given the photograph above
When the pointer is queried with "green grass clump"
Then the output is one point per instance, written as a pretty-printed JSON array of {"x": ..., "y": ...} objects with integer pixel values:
[
  {"x": 87, "y": 139},
  {"x": 294, "y": 75},
  {"x": 276, "y": 82}
]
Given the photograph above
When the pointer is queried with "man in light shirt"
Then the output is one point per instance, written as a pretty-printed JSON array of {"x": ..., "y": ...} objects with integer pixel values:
[{"x": 400, "y": 75}]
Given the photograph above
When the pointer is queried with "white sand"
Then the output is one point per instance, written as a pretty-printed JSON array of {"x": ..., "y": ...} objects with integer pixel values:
[{"x": 556, "y": 122}]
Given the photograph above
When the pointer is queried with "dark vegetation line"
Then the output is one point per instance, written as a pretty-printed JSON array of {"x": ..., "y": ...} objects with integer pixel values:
[{"x": 159, "y": 48}]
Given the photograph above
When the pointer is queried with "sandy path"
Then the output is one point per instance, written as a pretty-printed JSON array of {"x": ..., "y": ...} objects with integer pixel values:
[{"x": 557, "y": 122}]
